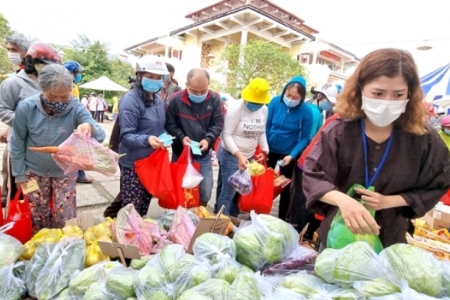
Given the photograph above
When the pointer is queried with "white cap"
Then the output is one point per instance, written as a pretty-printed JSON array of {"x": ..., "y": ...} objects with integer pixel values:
[
  {"x": 152, "y": 64},
  {"x": 328, "y": 90}
]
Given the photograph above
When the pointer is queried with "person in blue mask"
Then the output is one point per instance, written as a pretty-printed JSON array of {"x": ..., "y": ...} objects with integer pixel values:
[
  {"x": 195, "y": 114},
  {"x": 289, "y": 130},
  {"x": 142, "y": 120}
]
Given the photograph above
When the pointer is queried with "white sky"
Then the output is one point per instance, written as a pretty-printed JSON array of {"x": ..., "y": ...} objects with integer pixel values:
[{"x": 356, "y": 25}]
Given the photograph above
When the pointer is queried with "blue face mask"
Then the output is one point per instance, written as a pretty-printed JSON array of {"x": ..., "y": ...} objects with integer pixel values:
[
  {"x": 197, "y": 99},
  {"x": 290, "y": 103},
  {"x": 78, "y": 78},
  {"x": 447, "y": 131},
  {"x": 151, "y": 85},
  {"x": 253, "y": 106}
]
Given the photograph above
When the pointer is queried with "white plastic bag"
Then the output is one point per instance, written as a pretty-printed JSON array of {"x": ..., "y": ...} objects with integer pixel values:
[
  {"x": 192, "y": 177},
  {"x": 241, "y": 181}
]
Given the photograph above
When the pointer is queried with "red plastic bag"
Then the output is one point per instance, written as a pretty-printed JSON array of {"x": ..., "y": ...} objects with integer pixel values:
[
  {"x": 2, "y": 221},
  {"x": 446, "y": 198},
  {"x": 261, "y": 197},
  {"x": 19, "y": 212},
  {"x": 154, "y": 172},
  {"x": 187, "y": 198}
]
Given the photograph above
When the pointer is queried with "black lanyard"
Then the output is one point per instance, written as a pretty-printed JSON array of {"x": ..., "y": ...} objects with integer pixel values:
[{"x": 369, "y": 181}]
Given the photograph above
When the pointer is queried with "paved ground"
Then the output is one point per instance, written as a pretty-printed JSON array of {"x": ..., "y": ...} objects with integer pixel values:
[{"x": 96, "y": 197}]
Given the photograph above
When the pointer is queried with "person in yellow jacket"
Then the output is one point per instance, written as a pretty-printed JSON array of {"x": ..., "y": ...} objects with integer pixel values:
[
  {"x": 75, "y": 69},
  {"x": 444, "y": 132},
  {"x": 115, "y": 110}
]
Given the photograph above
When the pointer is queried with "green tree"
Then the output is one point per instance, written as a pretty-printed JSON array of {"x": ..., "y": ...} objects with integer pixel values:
[
  {"x": 5, "y": 65},
  {"x": 259, "y": 59},
  {"x": 95, "y": 59}
]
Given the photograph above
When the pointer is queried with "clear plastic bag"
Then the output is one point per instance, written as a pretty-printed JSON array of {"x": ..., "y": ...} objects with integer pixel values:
[
  {"x": 241, "y": 181},
  {"x": 228, "y": 269},
  {"x": 66, "y": 258},
  {"x": 97, "y": 291},
  {"x": 82, "y": 153},
  {"x": 192, "y": 177},
  {"x": 35, "y": 265},
  {"x": 408, "y": 293},
  {"x": 12, "y": 287},
  {"x": 245, "y": 287},
  {"x": 302, "y": 257},
  {"x": 150, "y": 282},
  {"x": 211, "y": 246},
  {"x": 418, "y": 267},
  {"x": 356, "y": 262},
  {"x": 445, "y": 267},
  {"x": 131, "y": 229},
  {"x": 81, "y": 282},
  {"x": 376, "y": 287},
  {"x": 190, "y": 275},
  {"x": 10, "y": 247},
  {"x": 213, "y": 289},
  {"x": 119, "y": 283},
  {"x": 182, "y": 228},
  {"x": 282, "y": 293},
  {"x": 315, "y": 288},
  {"x": 267, "y": 240},
  {"x": 165, "y": 221}
]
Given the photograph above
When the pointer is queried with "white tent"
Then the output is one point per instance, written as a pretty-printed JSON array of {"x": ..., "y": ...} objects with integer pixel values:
[{"x": 104, "y": 84}]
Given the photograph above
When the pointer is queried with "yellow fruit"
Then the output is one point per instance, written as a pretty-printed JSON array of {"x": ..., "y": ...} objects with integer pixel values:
[
  {"x": 30, "y": 247},
  {"x": 102, "y": 229},
  {"x": 89, "y": 237},
  {"x": 261, "y": 170},
  {"x": 94, "y": 255}
]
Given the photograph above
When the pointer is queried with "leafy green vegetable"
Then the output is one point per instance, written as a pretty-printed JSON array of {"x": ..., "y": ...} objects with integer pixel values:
[
  {"x": 10, "y": 250},
  {"x": 213, "y": 289},
  {"x": 120, "y": 283},
  {"x": 267, "y": 240},
  {"x": 138, "y": 264},
  {"x": 35, "y": 265},
  {"x": 211, "y": 245},
  {"x": 376, "y": 287},
  {"x": 245, "y": 287},
  {"x": 11, "y": 286},
  {"x": 415, "y": 265},
  {"x": 81, "y": 282}
]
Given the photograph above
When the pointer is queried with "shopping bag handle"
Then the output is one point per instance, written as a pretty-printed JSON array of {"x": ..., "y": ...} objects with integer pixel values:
[{"x": 7, "y": 227}]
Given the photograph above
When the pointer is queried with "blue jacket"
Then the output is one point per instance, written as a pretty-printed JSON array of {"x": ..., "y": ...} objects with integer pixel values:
[
  {"x": 137, "y": 124},
  {"x": 289, "y": 130},
  {"x": 33, "y": 127}
]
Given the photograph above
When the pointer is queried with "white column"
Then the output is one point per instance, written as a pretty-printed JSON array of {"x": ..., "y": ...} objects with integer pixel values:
[
  {"x": 244, "y": 36},
  {"x": 342, "y": 67},
  {"x": 166, "y": 52},
  {"x": 314, "y": 57}
]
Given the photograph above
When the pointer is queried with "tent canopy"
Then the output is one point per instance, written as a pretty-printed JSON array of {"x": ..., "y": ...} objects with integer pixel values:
[
  {"x": 104, "y": 84},
  {"x": 437, "y": 83}
]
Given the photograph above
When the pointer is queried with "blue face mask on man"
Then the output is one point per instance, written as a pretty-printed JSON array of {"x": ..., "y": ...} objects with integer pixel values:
[
  {"x": 196, "y": 98},
  {"x": 151, "y": 85},
  {"x": 77, "y": 78},
  {"x": 446, "y": 131},
  {"x": 290, "y": 103},
  {"x": 253, "y": 106}
]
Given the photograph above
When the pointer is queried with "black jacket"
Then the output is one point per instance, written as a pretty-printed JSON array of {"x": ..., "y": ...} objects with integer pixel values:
[{"x": 198, "y": 121}]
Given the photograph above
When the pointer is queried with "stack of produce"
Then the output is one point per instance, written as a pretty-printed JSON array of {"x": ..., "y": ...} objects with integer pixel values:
[
  {"x": 98, "y": 233},
  {"x": 202, "y": 212}
]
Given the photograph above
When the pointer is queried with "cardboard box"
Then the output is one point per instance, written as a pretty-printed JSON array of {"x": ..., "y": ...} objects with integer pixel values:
[{"x": 439, "y": 217}]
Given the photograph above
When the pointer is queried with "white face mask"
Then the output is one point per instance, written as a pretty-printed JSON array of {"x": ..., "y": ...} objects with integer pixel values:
[
  {"x": 383, "y": 112},
  {"x": 14, "y": 57}
]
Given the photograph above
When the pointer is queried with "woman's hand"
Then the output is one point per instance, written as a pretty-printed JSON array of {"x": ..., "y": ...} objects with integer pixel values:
[
  {"x": 356, "y": 217},
  {"x": 155, "y": 142},
  {"x": 84, "y": 129},
  {"x": 287, "y": 160},
  {"x": 372, "y": 200},
  {"x": 242, "y": 161}
]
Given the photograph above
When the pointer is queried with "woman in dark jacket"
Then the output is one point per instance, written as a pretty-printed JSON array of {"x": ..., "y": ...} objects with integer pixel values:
[{"x": 142, "y": 119}]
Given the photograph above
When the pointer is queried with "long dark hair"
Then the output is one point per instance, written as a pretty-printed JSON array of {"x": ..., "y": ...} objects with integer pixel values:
[{"x": 29, "y": 63}]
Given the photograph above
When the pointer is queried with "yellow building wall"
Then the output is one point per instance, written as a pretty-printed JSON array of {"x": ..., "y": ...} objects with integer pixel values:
[{"x": 295, "y": 50}]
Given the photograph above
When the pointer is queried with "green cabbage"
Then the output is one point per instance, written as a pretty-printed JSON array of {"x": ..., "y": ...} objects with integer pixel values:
[
  {"x": 213, "y": 289},
  {"x": 170, "y": 255},
  {"x": 12, "y": 287},
  {"x": 267, "y": 240},
  {"x": 211, "y": 245},
  {"x": 10, "y": 249},
  {"x": 138, "y": 264},
  {"x": 120, "y": 283},
  {"x": 356, "y": 262},
  {"x": 415, "y": 265},
  {"x": 98, "y": 291},
  {"x": 81, "y": 282},
  {"x": 376, "y": 287},
  {"x": 35, "y": 265},
  {"x": 245, "y": 287}
]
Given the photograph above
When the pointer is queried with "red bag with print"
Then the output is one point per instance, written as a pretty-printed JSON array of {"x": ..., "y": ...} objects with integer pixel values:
[
  {"x": 19, "y": 212},
  {"x": 261, "y": 197},
  {"x": 155, "y": 174},
  {"x": 186, "y": 198}
]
